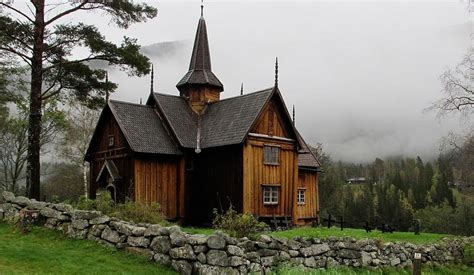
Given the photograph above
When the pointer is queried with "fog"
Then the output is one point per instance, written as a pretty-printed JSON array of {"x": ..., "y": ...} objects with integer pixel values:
[{"x": 359, "y": 73}]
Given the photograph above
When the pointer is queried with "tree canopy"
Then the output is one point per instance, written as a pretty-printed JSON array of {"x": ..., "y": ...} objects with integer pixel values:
[{"x": 44, "y": 40}]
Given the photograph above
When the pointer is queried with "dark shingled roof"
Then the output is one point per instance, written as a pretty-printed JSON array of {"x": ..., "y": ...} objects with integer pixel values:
[
  {"x": 200, "y": 66},
  {"x": 143, "y": 129},
  {"x": 306, "y": 158},
  {"x": 224, "y": 122},
  {"x": 229, "y": 120}
]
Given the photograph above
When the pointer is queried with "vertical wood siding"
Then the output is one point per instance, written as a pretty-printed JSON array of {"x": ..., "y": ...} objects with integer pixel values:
[
  {"x": 257, "y": 173},
  {"x": 309, "y": 211},
  {"x": 119, "y": 153},
  {"x": 270, "y": 123},
  {"x": 156, "y": 181}
]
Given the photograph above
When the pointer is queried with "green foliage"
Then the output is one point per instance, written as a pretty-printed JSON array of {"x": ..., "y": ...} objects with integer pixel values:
[
  {"x": 237, "y": 225},
  {"x": 395, "y": 192},
  {"x": 128, "y": 211},
  {"x": 469, "y": 255},
  {"x": 140, "y": 212},
  {"x": 13, "y": 133},
  {"x": 62, "y": 183},
  {"x": 443, "y": 218},
  {"x": 44, "y": 251}
]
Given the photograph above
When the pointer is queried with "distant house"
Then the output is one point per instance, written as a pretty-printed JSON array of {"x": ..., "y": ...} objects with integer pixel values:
[
  {"x": 356, "y": 180},
  {"x": 194, "y": 152},
  {"x": 461, "y": 185}
]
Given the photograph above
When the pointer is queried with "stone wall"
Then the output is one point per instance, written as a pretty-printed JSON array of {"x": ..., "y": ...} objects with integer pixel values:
[{"x": 221, "y": 254}]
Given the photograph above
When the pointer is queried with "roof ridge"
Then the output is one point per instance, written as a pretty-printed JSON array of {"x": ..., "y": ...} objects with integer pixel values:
[
  {"x": 130, "y": 103},
  {"x": 245, "y": 95},
  {"x": 176, "y": 96}
]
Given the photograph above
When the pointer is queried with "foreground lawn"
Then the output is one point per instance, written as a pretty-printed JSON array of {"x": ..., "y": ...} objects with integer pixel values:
[
  {"x": 43, "y": 251},
  {"x": 324, "y": 232},
  {"x": 445, "y": 270}
]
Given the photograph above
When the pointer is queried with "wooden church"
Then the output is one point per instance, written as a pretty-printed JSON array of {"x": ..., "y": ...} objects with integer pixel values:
[{"x": 194, "y": 152}]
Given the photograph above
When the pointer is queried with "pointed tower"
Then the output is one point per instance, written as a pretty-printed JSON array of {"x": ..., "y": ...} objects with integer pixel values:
[{"x": 200, "y": 86}]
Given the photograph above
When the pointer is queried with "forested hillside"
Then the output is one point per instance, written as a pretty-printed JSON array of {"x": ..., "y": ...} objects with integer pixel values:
[{"x": 395, "y": 191}]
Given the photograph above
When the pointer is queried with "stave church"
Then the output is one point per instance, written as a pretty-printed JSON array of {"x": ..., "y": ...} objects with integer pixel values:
[{"x": 194, "y": 151}]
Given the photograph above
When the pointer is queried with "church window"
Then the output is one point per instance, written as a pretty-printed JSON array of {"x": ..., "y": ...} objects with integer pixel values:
[
  {"x": 270, "y": 194},
  {"x": 301, "y": 196},
  {"x": 111, "y": 141},
  {"x": 271, "y": 155}
]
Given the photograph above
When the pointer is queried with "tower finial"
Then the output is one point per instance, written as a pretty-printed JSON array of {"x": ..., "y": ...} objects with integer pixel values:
[
  {"x": 202, "y": 8},
  {"x": 152, "y": 79},
  {"x": 293, "y": 114},
  {"x": 242, "y": 89},
  {"x": 106, "y": 88},
  {"x": 276, "y": 72}
]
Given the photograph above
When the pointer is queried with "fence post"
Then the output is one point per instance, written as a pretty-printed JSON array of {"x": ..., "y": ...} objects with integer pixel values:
[{"x": 417, "y": 263}]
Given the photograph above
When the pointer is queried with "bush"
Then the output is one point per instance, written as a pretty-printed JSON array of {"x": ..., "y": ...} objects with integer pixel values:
[
  {"x": 238, "y": 225},
  {"x": 139, "y": 212},
  {"x": 128, "y": 211}
]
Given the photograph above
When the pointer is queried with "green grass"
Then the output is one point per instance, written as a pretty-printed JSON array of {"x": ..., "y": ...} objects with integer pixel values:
[
  {"x": 324, "y": 232},
  {"x": 43, "y": 251},
  {"x": 198, "y": 230},
  {"x": 443, "y": 270}
]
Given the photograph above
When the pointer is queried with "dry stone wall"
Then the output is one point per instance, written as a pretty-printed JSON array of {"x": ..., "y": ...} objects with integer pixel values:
[{"x": 221, "y": 254}]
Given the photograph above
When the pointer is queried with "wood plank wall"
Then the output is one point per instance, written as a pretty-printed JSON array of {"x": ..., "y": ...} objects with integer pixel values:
[
  {"x": 257, "y": 173},
  {"x": 214, "y": 182},
  {"x": 156, "y": 181},
  {"x": 271, "y": 123},
  {"x": 309, "y": 211},
  {"x": 119, "y": 153}
]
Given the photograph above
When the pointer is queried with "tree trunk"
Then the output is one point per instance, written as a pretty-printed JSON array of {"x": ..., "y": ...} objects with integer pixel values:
[{"x": 34, "y": 120}]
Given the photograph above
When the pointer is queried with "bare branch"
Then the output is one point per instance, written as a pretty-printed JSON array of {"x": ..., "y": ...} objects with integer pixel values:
[{"x": 17, "y": 11}]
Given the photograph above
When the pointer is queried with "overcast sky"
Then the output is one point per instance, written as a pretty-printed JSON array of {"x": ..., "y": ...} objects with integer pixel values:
[{"x": 359, "y": 73}]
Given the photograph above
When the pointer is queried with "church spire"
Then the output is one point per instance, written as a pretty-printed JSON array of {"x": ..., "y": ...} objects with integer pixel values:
[
  {"x": 200, "y": 72},
  {"x": 200, "y": 85}
]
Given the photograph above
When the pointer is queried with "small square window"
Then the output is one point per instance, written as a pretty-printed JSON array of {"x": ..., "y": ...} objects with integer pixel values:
[
  {"x": 270, "y": 194},
  {"x": 111, "y": 141},
  {"x": 301, "y": 196},
  {"x": 271, "y": 155}
]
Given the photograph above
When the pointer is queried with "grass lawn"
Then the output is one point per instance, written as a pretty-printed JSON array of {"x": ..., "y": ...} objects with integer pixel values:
[
  {"x": 198, "y": 230},
  {"x": 445, "y": 270},
  {"x": 324, "y": 232},
  {"x": 44, "y": 251}
]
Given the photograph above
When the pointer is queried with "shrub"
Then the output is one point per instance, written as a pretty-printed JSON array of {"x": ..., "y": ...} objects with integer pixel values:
[
  {"x": 128, "y": 211},
  {"x": 469, "y": 255},
  {"x": 139, "y": 212},
  {"x": 237, "y": 225}
]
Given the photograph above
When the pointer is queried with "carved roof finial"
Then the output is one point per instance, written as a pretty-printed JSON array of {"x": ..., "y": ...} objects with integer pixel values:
[
  {"x": 152, "y": 80},
  {"x": 293, "y": 114},
  {"x": 276, "y": 72},
  {"x": 106, "y": 88},
  {"x": 202, "y": 8}
]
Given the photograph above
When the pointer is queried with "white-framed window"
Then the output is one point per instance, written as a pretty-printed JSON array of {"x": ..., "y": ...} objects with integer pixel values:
[
  {"x": 270, "y": 194},
  {"x": 301, "y": 196},
  {"x": 271, "y": 155},
  {"x": 111, "y": 141}
]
